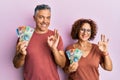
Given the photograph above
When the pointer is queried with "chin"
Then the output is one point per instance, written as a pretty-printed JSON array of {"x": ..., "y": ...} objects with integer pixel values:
[{"x": 85, "y": 39}]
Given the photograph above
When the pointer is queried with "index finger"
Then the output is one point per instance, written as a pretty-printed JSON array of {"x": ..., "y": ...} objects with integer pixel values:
[{"x": 56, "y": 33}]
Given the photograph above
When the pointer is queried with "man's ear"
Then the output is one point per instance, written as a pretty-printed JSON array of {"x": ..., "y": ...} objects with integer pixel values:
[{"x": 34, "y": 17}]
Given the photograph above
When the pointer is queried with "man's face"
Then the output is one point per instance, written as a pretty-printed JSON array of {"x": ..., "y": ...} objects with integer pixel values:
[{"x": 42, "y": 19}]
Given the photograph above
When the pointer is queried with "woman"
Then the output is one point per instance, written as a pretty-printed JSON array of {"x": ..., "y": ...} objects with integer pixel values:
[{"x": 86, "y": 68}]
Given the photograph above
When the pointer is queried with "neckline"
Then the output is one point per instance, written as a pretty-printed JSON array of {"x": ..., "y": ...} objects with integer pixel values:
[
  {"x": 42, "y": 33},
  {"x": 87, "y": 54}
]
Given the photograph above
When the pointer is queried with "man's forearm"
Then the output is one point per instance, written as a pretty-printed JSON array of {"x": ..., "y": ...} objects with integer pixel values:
[
  {"x": 18, "y": 60},
  {"x": 59, "y": 57}
]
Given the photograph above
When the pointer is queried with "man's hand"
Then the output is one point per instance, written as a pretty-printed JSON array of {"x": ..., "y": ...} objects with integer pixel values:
[
  {"x": 53, "y": 40},
  {"x": 21, "y": 47}
]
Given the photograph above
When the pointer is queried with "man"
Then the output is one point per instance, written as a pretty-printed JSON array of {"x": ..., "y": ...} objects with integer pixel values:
[{"x": 44, "y": 51}]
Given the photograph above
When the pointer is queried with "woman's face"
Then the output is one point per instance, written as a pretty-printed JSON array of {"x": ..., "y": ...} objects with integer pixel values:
[{"x": 85, "y": 32}]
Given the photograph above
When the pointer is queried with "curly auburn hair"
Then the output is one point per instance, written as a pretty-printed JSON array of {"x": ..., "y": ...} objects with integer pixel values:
[{"x": 77, "y": 26}]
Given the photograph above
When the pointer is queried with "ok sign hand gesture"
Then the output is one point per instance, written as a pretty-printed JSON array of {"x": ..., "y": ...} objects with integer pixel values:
[{"x": 53, "y": 40}]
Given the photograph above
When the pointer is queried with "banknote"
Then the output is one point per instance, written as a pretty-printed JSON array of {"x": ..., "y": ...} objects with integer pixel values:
[
  {"x": 74, "y": 55},
  {"x": 24, "y": 33}
]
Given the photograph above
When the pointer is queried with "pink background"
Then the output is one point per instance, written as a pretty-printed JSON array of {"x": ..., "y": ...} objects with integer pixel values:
[{"x": 14, "y": 13}]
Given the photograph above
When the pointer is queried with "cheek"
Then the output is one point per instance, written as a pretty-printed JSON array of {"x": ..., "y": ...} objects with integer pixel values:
[
  {"x": 89, "y": 34},
  {"x": 79, "y": 35},
  {"x": 82, "y": 35},
  {"x": 38, "y": 19},
  {"x": 48, "y": 21}
]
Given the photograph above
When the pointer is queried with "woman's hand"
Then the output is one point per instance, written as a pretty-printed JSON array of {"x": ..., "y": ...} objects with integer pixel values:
[
  {"x": 103, "y": 44},
  {"x": 73, "y": 67}
]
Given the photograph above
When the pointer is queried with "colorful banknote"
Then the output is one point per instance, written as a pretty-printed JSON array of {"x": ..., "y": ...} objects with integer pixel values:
[
  {"x": 24, "y": 33},
  {"x": 74, "y": 55}
]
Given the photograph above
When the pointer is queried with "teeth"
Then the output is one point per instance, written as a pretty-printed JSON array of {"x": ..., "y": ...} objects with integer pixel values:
[{"x": 44, "y": 25}]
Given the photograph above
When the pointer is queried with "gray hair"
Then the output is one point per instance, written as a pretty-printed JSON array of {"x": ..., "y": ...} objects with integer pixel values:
[{"x": 42, "y": 7}]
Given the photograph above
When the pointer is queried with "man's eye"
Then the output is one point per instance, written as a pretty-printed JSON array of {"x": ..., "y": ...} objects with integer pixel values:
[
  {"x": 48, "y": 17},
  {"x": 40, "y": 17}
]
